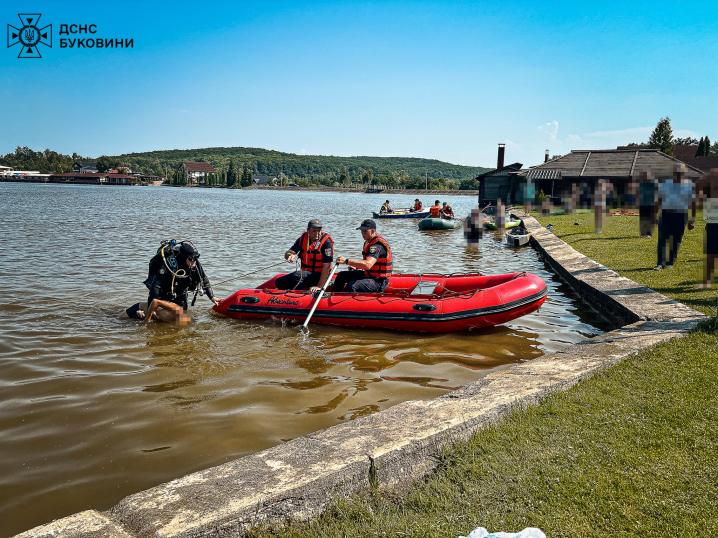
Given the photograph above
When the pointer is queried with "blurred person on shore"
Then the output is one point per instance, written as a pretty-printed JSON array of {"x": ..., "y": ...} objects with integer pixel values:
[
  {"x": 647, "y": 193},
  {"x": 707, "y": 188},
  {"x": 674, "y": 198},
  {"x": 604, "y": 193}
]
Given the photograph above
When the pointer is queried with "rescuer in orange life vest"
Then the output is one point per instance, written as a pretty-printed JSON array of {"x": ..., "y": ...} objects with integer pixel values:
[
  {"x": 435, "y": 210},
  {"x": 447, "y": 211},
  {"x": 374, "y": 269},
  {"x": 316, "y": 251}
]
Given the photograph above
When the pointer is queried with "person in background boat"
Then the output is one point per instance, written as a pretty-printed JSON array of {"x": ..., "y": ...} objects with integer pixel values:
[
  {"x": 179, "y": 275},
  {"x": 447, "y": 211},
  {"x": 372, "y": 273},
  {"x": 160, "y": 311},
  {"x": 418, "y": 206},
  {"x": 435, "y": 210},
  {"x": 316, "y": 251},
  {"x": 386, "y": 208}
]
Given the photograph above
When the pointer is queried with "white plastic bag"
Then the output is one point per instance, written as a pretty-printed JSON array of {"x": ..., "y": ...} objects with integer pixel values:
[{"x": 528, "y": 532}]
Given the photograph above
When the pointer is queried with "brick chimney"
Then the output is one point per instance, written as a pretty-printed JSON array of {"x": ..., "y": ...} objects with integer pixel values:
[
  {"x": 545, "y": 157},
  {"x": 500, "y": 160}
]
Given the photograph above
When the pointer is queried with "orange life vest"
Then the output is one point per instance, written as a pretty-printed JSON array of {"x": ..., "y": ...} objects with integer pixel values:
[
  {"x": 435, "y": 211},
  {"x": 418, "y": 206},
  {"x": 383, "y": 266},
  {"x": 312, "y": 253}
]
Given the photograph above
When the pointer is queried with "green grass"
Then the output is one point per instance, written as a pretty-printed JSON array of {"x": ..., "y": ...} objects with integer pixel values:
[
  {"x": 630, "y": 452},
  {"x": 619, "y": 248}
]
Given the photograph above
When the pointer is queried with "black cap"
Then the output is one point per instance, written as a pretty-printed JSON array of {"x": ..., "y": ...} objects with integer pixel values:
[
  {"x": 436, "y": 202},
  {"x": 416, "y": 199},
  {"x": 367, "y": 224},
  {"x": 314, "y": 223}
]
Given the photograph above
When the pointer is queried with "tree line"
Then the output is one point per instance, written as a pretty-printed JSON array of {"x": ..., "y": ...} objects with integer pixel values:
[
  {"x": 662, "y": 139},
  {"x": 236, "y": 166}
]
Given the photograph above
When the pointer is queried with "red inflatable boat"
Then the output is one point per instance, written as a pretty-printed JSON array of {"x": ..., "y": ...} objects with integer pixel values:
[{"x": 431, "y": 303}]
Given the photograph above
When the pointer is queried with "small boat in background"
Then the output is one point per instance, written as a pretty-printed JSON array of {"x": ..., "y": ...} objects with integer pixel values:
[
  {"x": 401, "y": 214},
  {"x": 429, "y": 302},
  {"x": 439, "y": 224},
  {"x": 518, "y": 236}
]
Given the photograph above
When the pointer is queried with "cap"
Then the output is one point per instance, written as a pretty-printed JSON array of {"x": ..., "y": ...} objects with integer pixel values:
[
  {"x": 314, "y": 223},
  {"x": 436, "y": 202},
  {"x": 367, "y": 224},
  {"x": 416, "y": 199}
]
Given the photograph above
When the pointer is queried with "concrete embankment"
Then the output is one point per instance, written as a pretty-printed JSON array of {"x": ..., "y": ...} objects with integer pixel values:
[{"x": 399, "y": 445}]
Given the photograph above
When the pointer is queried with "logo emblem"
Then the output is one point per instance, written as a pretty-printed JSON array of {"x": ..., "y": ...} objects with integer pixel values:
[{"x": 29, "y": 35}]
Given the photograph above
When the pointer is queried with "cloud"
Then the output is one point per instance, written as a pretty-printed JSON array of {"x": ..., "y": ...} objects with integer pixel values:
[{"x": 549, "y": 130}]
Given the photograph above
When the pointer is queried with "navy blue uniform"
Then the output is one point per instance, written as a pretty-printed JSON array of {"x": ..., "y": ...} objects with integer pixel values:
[{"x": 303, "y": 280}]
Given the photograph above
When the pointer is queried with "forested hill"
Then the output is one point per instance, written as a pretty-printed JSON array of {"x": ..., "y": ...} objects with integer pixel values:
[{"x": 262, "y": 161}]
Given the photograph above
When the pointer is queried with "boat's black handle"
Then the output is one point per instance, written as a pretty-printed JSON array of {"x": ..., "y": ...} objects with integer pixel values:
[
  {"x": 424, "y": 307},
  {"x": 251, "y": 299}
]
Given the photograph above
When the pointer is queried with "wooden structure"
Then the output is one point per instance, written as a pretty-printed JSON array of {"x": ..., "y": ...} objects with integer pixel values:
[
  {"x": 196, "y": 172},
  {"x": 84, "y": 167},
  {"x": 586, "y": 167},
  {"x": 90, "y": 178},
  {"x": 496, "y": 184}
]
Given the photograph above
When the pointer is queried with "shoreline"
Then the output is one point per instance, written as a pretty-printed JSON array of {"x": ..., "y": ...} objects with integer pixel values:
[{"x": 397, "y": 446}]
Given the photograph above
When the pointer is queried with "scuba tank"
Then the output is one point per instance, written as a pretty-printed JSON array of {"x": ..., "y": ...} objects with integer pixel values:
[{"x": 167, "y": 251}]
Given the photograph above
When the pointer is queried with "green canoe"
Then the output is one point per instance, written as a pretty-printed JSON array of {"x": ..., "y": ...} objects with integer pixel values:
[{"x": 439, "y": 224}]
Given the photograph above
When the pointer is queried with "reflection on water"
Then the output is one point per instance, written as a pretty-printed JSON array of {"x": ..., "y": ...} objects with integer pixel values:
[{"x": 93, "y": 408}]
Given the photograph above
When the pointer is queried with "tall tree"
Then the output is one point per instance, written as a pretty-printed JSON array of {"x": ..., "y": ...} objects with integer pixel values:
[
  {"x": 246, "y": 176},
  {"x": 701, "y": 148},
  {"x": 707, "y": 147},
  {"x": 231, "y": 174},
  {"x": 662, "y": 137}
]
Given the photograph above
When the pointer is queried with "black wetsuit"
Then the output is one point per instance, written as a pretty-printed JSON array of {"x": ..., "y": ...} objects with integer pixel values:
[{"x": 160, "y": 284}]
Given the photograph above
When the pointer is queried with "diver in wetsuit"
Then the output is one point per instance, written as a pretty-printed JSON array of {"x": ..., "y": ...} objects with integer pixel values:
[{"x": 179, "y": 273}]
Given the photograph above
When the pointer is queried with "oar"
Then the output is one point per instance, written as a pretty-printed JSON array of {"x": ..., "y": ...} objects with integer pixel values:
[{"x": 311, "y": 312}]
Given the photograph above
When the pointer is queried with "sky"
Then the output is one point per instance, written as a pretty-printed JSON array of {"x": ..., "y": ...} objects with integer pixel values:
[{"x": 437, "y": 80}]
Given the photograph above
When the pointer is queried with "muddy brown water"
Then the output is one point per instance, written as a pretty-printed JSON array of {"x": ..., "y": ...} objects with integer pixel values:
[{"x": 93, "y": 408}]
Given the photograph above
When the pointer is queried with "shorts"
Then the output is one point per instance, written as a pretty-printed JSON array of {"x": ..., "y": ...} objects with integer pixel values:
[
  {"x": 711, "y": 238},
  {"x": 132, "y": 311}
]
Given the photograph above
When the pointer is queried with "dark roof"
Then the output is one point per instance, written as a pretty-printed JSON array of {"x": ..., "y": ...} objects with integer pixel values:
[
  {"x": 86, "y": 165},
  {"x": 687, "y": 154},
  {"x": 197, "y": 167},
  {"x": 94, "y": 174},
  {"x": 503, "y": 171},
  {"x": 613, "y": 164}
]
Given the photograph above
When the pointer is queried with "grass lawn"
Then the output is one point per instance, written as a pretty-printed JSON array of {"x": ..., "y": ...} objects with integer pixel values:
[
  {"x": 630, "y": 452},
  {"x": 619, "y": 248}
]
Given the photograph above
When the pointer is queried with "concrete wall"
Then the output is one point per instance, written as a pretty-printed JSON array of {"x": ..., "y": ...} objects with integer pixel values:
[{"x": 399, "y": 445}]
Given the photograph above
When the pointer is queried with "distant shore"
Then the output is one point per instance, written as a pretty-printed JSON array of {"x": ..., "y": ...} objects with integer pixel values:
[{"x": 388, "y": 192}]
